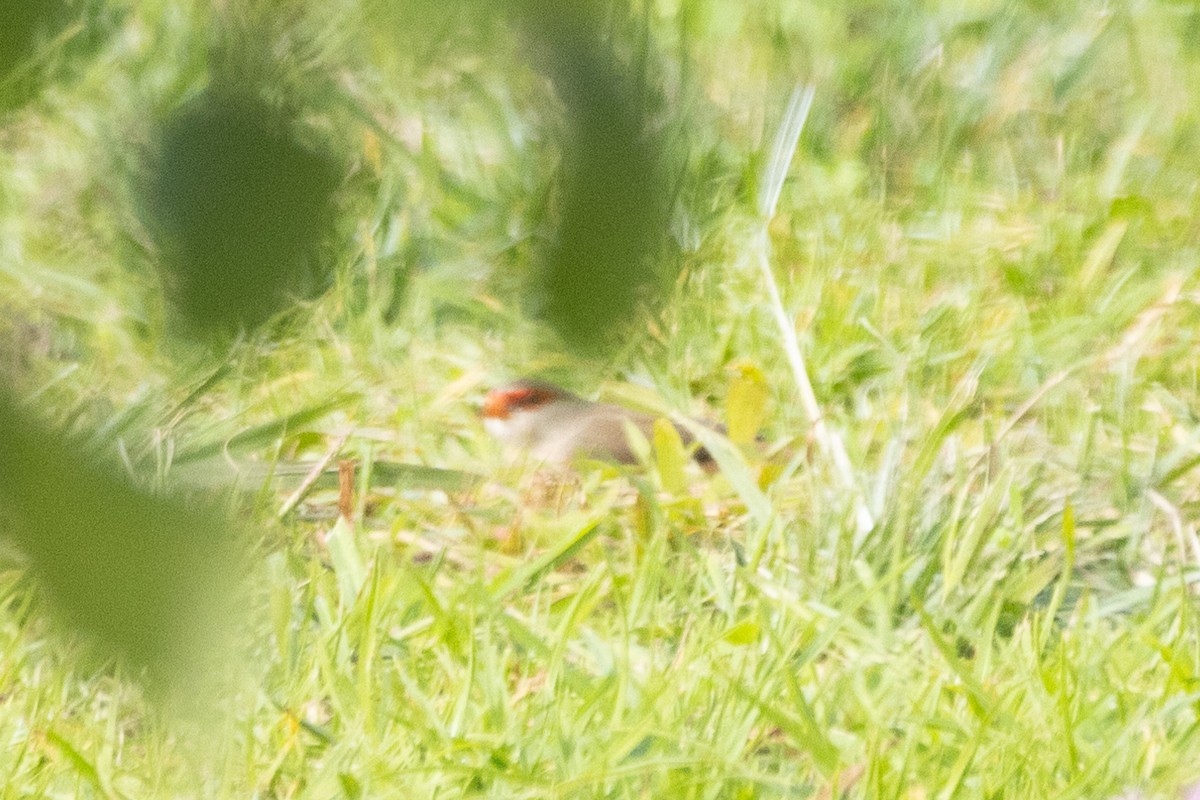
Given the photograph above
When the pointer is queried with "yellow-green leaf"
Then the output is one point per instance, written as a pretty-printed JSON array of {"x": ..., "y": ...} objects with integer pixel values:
[
  {"x": 1068, "y": 530},
  {"x": 746, "y": 404},
  {"x": 669, "y": 456},
  {"x": 743, "y": 633}
]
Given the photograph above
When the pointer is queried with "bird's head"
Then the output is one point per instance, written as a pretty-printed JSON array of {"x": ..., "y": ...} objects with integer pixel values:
[
  {"x": 521, "y": 396},
  {"x": 524, "y": 412}
]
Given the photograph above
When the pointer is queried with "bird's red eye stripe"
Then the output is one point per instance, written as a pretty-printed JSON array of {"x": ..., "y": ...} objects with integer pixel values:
[{"x": 499, "y": 403}]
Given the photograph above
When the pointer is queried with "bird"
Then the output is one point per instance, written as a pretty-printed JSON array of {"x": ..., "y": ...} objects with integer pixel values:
[{"x": 558, "y": 427}]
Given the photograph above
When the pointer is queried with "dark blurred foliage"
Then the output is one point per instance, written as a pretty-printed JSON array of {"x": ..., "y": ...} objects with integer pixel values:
[
  {"x": 140, "y": 573},
  {"x": 42, "y": 41},
  {"x": 239, "y": 207},
  {"x": 612, "y": 192}
]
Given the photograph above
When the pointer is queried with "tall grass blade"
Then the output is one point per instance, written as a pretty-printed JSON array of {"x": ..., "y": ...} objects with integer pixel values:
[{"x": 772, "y": 184}]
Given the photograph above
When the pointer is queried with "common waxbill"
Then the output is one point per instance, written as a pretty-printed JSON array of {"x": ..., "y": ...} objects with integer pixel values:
[{"x": 558, "y": 427}]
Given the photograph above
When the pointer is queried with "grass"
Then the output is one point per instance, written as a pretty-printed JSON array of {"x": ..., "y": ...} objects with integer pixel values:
[{"x": 986, "y": 243}]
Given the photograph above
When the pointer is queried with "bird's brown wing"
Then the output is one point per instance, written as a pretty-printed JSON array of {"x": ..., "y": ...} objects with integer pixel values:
[{"x": 613, "y": 440}]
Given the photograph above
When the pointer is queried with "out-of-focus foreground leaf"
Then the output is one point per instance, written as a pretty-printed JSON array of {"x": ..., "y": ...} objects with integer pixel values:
[
  {"x": 239, "y": 207},
  {"x": 141, "y": 573},
  {"x": 612, "y": 200}
]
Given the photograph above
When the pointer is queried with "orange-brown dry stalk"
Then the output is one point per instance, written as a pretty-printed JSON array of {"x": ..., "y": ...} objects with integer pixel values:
[{"x": 346, "y": 489}]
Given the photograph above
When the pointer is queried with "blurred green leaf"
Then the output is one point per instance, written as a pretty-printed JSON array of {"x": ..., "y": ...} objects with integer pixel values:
[
  {"x": 141, "y": 573},
  {"x": 239, "y": 207},
  {"x": 612, "y": 197}
]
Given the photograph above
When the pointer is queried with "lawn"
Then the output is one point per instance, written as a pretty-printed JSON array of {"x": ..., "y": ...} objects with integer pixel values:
[{"x": 963, "y": 561}]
